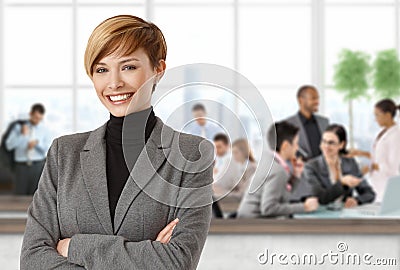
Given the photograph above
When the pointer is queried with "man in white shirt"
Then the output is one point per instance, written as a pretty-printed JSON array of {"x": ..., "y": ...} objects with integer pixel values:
[
  {"x": 30, "y": 142},
  {"x": 201, "y": 126}
]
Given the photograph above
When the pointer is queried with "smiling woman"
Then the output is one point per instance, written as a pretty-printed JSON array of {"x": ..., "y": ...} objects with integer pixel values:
[
  {"x": 117, "y": 81},
  {"x": 334, "y": 177},
  {"x": 89, "y": 210}
]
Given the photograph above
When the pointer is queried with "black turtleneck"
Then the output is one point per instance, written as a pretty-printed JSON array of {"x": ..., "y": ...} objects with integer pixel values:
[{"x": 135, "y": 136}]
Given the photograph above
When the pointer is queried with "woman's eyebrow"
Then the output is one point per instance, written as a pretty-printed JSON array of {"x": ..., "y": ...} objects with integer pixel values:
[
  {"x": 121, "y": 62},
  {"x": 128, "y": 60}
]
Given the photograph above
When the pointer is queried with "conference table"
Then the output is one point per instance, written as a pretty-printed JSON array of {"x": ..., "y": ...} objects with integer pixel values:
[{"x": 13, "y": 219}]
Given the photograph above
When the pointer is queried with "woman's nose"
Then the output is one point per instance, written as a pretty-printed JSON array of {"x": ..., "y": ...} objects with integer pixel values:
[{"x": 115, "y": 82}]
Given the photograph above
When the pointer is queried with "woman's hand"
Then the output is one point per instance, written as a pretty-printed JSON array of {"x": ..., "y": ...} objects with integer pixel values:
[
  {"x": 365, "y": 169},
  {"x": 375, "y": 167},
  {"x": 350, "y": 202},
  {"x": 298, "y": 167},
  {"x": 62, "y": 247},
  {"x": 350, "y": 180},
  {"x": 165, "y": 235}
]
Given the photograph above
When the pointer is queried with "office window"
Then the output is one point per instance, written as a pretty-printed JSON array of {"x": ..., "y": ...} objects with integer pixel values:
[
  {"x": 365, "y": 129},
  {"x": 37, "y": 44},
  {"x": 58, "y": 104},
  {"x": 197, "y": 34},
  {"x": 372, "y": 31},
  {"x": 268, "y": 41},
  {"x": 274, "y": 44}
]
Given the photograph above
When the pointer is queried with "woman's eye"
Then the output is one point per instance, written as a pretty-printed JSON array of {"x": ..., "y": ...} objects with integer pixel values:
[
  {"x": 101, "y": 70},
  {"x": 129, "y": 68}
]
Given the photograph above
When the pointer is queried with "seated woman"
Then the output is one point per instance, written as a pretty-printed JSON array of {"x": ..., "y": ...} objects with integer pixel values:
[
  {"x": 237, "y": 176},
  {"x": 243, "y": 155},
  {"x": 332, "y": 176}
]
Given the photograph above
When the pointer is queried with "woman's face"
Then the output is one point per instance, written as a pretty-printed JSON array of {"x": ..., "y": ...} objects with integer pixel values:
[
  {"x": 237, "y": 155},
  {"x": 123, "y": 82},
  {"x": 381, "y": 118},
  {"x": 330, "y": 145}
]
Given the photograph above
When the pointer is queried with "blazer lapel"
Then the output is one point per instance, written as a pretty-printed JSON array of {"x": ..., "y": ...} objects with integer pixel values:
[
  {"x": 303, "y": 141},
  {"x": 321, "y": 124},
  {"x": 324, "y": 171},
  {"x": 149, "y": 161},
  {"x": 93, "y": 164}
]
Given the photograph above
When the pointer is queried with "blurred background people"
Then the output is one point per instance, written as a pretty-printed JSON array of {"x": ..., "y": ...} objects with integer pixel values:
[
  {"x": 7, "y": 162},
  {"x": 385, "y": 154},
  {"x": 272, "y": 196},
  {"x": 235, "y": 179},
  {"x": 334, "y": 177},
  {"x": 244, "y": 157},
  {"x": 201, "y": 126},
  {"x": 310, "y": 125},
  {"x": 222, "y": 153},
  {"x": 226, "y": 169},
  {"x": 30, "y": 142}
]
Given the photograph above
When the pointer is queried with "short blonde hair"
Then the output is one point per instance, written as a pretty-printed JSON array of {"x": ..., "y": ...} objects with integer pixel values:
[{"x": 124, "y": 34}]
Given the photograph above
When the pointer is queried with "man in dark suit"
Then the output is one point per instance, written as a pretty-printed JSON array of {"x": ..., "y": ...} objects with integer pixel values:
[{"x": 310, "y": 125}]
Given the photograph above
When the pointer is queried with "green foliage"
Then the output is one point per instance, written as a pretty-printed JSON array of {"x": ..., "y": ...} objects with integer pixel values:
[
  {"x": 386, "y": 79},
  {"x": 351, "y": 74}
]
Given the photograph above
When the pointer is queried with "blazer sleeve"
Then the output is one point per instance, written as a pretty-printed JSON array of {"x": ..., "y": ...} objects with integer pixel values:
[
  {"x": 365, "y": 192},
  {"x": 271, "y": 198},
  {"x": 94, "y": 251},
  {"x": 39, "y": 245},
  {"x": 325, "y": 195}
]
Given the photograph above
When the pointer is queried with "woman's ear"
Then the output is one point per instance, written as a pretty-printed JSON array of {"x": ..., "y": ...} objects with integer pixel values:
[
  {"x": 159, "y": 73},
  {"x": 160, "y": 69}
]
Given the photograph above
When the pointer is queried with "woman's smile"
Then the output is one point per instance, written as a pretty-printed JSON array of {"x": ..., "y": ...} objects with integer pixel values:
[{"x": 120, "y": 98}]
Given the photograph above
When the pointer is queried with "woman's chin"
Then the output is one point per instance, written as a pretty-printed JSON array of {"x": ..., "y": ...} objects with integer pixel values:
[{"x": 118, "y": 112}]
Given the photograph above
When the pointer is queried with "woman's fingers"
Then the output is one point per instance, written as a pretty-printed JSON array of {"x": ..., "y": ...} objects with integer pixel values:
[
  {"x": 166, "y": 233},
  {"x": 167, "y": 236}
]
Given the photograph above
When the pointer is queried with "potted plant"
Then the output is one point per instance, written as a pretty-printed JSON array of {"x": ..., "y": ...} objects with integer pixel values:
[
  {"x": 386, "y": 76},
  {"x": 351, "y": 80}
]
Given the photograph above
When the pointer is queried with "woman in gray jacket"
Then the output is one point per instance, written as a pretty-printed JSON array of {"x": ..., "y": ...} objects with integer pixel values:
[
  {"x": 112, "y": 198},
  {"x": 333, "y": 176}
]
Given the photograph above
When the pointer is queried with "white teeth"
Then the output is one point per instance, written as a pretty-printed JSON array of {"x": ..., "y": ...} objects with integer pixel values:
[{"x": 120, "y": 97}]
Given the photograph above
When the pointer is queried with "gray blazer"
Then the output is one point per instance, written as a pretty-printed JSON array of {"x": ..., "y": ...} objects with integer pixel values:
[
  {"x": 72, "y": 201},
  {"x": 316, "y": 172},
  {"x": 271, "y": 198},
  {"x": 304, "y": 144}
]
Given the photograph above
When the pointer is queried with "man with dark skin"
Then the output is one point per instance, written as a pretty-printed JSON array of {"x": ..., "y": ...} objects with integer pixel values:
[{"x": 311, "y": 125}]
